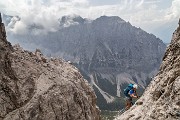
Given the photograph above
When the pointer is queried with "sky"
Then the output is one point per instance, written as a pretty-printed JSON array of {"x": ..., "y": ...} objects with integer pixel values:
[{"x": 159, "y": 17}]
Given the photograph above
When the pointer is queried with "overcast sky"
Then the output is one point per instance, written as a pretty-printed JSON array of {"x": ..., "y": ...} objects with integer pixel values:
[{"x": 159, "y": 17}]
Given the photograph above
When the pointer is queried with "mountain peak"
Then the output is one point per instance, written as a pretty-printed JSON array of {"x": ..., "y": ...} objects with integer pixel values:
[
  {"x": 4, "y": 44},
  {"x": 109, "y": 18},
  {"x": 160, "y": 100},
  {"x": 110, "y": 48},
  {"x": 33, "y": 86},
  {"x": 68, "y": 20}
]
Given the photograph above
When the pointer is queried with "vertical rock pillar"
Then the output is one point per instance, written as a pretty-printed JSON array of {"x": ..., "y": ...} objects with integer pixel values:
[
  {"x": 0, "y": 18},
  {"x": 2, "y": 30},
  {"x": 3, "y": 40},
  {"x": 1, "y": 35}
]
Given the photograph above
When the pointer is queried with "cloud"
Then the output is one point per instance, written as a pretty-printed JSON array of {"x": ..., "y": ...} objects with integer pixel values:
[
  {"x": 147, "y": 14},
  {"x": 43, "y": 13},
  {"x": 20, "y": 27},
  {"x": 174, "y": 12}
]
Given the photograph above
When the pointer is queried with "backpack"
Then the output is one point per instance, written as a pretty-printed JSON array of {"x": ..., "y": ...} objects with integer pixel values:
[{"x": 128, "y": 88}]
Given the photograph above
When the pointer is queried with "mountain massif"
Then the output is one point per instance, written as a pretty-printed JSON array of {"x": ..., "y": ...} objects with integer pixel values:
[
  {"x": 33, "y": 87},
  {"x": 161, "y": 99},
  {"x": 108, "y": 51}
]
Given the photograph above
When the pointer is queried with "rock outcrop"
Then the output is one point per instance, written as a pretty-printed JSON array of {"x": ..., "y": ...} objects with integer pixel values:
[
  {"x": 35, "y": 88},
  {"x": 161, "y": 99},
  {"x": 108, "y": 51}
]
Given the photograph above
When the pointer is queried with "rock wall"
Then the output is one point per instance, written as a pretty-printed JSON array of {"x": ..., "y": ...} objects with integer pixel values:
[
  {"x": 35, "y": 88},
  {"x": 161, "y": 100},
  {"x": 109, "y": 52}
]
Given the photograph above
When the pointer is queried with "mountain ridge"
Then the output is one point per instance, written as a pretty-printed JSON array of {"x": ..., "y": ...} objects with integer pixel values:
[
  {"x": 33, "y": 87},
  {"x": 160, "y": 100},
  {"x": 108, "y": 49}
]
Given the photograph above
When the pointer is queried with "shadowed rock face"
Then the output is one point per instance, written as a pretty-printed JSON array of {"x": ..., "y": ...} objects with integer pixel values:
[
  {"x": 161, "y": 100},
  {"x": 35, "y": 88}
]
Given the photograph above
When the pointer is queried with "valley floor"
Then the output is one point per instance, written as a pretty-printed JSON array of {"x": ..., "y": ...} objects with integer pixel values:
[{"x": 109, "y": 115}]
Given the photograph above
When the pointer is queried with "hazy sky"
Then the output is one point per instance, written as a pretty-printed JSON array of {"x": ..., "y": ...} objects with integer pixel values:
[{"x": 159, "y": 17}]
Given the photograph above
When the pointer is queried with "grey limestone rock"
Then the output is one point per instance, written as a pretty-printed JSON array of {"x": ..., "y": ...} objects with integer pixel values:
[
  {"x": 161, "y": 99},
  {"x": 0, "y": 18},
  {"x": 33, "y": 87},
  {"x": 108, "y": 51}
]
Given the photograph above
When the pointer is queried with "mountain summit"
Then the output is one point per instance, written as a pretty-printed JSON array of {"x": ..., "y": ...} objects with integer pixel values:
[
  {"x": 67, "y": 21},
  {"x": 109, "y": 52}
]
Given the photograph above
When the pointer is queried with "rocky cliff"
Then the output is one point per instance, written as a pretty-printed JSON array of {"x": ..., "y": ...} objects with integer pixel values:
[
  {"x": 108, "y": 51},
  {"x": 161, "y": 99},
  {"x": 35, "y": 88}
]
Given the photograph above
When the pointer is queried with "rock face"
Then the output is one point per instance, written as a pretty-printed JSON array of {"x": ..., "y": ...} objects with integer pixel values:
[
  {"x": 109, "y": 52},
  {"x": 35, "y": 88},
  {"x": 161, "y": 99}
]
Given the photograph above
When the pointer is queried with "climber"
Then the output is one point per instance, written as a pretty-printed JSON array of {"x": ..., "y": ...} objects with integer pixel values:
[{"x": 130, "y": 92}]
